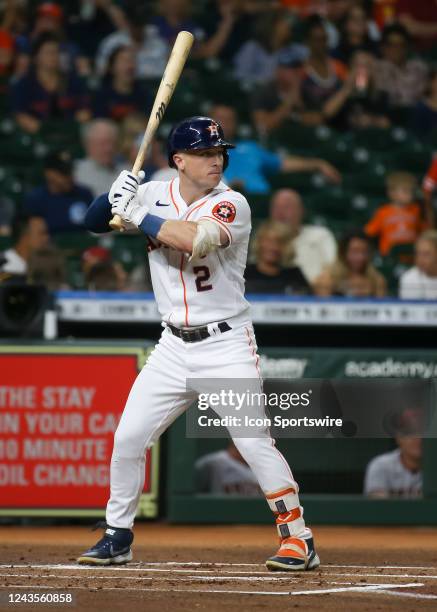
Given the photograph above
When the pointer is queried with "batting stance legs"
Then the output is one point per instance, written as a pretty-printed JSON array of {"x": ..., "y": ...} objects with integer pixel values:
[{"x": 159, "y": 395}]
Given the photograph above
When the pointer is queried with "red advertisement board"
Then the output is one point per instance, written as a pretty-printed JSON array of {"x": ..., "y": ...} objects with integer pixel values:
[{"x": 58, "y": 414}]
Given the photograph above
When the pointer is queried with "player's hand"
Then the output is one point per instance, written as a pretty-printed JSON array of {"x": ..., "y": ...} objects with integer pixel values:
[
  {"x": 126, "y": 184},
  {"x": 130, "y": 209}
]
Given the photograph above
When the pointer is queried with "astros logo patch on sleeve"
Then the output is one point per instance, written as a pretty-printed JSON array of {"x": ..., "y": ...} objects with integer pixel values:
[{"x": 224, "y": 211}]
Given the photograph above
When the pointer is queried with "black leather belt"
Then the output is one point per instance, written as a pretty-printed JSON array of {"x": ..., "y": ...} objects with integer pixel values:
[{"x": 196, "y": 334}]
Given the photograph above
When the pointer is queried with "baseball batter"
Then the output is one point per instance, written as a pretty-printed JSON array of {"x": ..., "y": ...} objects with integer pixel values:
[{"x": 198, "y": 231}]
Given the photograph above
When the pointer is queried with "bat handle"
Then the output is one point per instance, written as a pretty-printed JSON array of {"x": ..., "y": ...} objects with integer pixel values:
[{"x": 116, "y": 223}]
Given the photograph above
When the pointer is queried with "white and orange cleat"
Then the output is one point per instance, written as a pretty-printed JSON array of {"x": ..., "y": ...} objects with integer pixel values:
[{"x": 294, "y": 554}]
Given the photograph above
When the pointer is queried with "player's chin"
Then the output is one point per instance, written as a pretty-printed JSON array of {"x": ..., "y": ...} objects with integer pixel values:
[{"x": 213, "y": 178}]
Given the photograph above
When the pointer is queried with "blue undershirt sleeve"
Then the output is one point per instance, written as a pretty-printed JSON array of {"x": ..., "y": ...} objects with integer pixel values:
[{"x": 98, "y": 215}]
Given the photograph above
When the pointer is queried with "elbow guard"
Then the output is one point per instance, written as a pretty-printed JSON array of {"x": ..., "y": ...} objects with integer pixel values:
[{"x": 206, "y": 240}]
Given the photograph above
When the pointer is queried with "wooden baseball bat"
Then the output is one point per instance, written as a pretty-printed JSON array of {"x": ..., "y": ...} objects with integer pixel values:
[{"x": 175, "y": 64}]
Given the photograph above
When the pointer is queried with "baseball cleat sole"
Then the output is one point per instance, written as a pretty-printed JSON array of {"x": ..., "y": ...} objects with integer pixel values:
[
  {"x": 279, "y": 565},
  {"x": 117, "y": 560}
]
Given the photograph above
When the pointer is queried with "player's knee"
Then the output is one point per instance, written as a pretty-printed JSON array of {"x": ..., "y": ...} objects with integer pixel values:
[{"x": 129, "y": 443}]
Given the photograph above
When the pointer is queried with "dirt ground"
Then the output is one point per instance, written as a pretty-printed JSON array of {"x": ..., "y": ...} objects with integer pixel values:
[{"x": 185, "y": 569}]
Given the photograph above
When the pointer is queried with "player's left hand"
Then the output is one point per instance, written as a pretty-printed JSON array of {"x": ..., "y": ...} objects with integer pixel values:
[{"x": 130, "y": 209}]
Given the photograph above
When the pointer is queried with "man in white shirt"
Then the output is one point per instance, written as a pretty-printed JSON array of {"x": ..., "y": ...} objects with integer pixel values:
[
  {"x": 28, "y": 234},
  {"x": 420, "y": 282},
  {"x": 99, "y": 169},
  {"x": 313, "y": 247},
  {"x": 396, "y": 473},
  {"x": 198, "y": 233},
  {"x": 226, "y": 473}
]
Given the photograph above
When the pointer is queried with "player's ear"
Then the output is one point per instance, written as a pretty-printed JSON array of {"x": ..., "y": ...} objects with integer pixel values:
[{"x": 179, "y": 161}]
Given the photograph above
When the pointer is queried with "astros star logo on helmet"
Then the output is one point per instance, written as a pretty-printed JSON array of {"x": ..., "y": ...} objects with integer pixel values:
[
  {"x": 213, "y": 129},
  {"x": 224, "y": 211}
]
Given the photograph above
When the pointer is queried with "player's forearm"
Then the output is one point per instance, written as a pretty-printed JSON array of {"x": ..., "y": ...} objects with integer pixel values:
[{"x": 178, "y": 235}]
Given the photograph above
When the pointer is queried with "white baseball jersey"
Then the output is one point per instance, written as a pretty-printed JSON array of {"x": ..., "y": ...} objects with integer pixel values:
[{"x": 209, "y": 289}]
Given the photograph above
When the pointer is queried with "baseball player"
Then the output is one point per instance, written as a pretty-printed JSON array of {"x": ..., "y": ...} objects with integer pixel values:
[{"x": 198, "y": 232}]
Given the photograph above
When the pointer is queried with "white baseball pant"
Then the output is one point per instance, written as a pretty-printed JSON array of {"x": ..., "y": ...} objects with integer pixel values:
[{"x": 159, "y": 395}]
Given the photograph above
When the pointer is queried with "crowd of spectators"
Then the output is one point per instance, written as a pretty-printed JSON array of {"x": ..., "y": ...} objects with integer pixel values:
[{"x": 343, "y": 66}]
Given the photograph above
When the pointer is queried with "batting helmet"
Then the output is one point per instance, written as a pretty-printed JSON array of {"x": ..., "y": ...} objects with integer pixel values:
[{"x": 197, "y": 133}]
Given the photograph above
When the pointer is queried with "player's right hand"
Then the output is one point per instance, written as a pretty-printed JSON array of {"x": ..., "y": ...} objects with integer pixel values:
[{"x": 125, "y": 186}]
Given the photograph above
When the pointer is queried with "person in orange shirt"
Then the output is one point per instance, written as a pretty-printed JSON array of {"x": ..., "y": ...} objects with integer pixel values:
[{"x": 400, "y": 221}]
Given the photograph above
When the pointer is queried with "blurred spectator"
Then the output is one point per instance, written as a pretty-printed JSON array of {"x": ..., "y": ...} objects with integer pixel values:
[
  {"x": 256, "y": 61},
  {"x": 47, "y": 267},
  {"x": 420, "y": 20},
  {"x": 174, "y": 16},
  {"x": 420, "y": 282},
  {"x": 280, "y": 101},
  {"x": 397, "y": 473},
  {"x": 358, "y": 104},
  {"x": 424, "y": 117},
  {"x": 46, "y": 92},
  {"x": 90, "y": 21},
  {"x": 106, "y": 276},
  {"x": 140, "y": 278},
  {"x": 131, "y": 135},
  {"x": 15, "y": 21},
  {"x": 7, "y": 211},
  {"x": 314, "y": 247},
  {"x": 151, "y": 51},
  {"x": 7, "y": 56},
  {"x": 132, "y": 128},
  {"x": 323, "y": 75},
  {"x": 267, "y": 274},
  {"x": 335, "y": 15},
  {"x": 225, "y": 472},
  {"x": 137, "y": 280},
  {"x": 60, "y": 201},
  {"x": 49, "y": 18},
  {"x": 353, "y": 274},
  {"x": 228, "y": 24},
  {"x": 250, "y": 164},
  {"x": 120, "y": 93},
  {"x": 400, "y": 221},
  {"x": 428, "y": 187},
  {"x": 402, "y": 78},
  {"x": 92, "y": 256},
  {"x": 99, "y": 169},
  {"x": 29, "y": 233},
  {"x": 354, "y": 36}
]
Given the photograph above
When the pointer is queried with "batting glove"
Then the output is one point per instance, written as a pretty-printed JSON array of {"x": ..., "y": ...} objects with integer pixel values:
[
  {"x": 130, "y": 209},
  {"x": 126, "y": 184}
]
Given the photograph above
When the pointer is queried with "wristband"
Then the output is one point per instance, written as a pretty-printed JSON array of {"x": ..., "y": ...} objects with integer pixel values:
[{"x": 151, "y": 224}]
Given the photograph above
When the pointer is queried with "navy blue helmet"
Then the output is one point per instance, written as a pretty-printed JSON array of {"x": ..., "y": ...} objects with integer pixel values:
[{"x": 197, "y": 133}]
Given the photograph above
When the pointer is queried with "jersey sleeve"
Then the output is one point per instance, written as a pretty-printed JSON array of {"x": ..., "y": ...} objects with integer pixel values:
[{"x": 232, "y": 213}]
